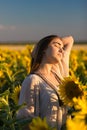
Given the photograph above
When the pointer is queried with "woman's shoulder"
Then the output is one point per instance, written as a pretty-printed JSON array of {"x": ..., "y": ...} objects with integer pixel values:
[{"x": 32, "y": 78}]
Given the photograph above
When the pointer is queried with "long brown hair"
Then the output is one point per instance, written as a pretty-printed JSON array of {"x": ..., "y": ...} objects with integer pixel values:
[{"x": 39, "y": 51}]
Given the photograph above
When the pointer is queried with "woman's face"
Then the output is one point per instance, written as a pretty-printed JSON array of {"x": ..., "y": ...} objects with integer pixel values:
[{"x": 54, "y": 51}]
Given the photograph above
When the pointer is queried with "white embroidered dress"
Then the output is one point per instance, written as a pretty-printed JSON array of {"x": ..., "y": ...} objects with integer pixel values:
[{"x": 42, "y": 100}]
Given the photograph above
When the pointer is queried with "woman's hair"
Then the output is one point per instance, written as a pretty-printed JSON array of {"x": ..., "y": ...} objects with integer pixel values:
[{"x": 39, "y": 50}]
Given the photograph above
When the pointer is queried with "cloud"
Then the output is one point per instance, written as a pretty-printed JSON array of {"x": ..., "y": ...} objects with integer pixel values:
[{"x": 5, "y": 27}]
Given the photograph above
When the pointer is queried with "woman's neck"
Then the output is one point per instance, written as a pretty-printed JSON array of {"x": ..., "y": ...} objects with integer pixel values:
[
  {"x": 45, "y": 68},
  {"x": 46, "y": 71}
]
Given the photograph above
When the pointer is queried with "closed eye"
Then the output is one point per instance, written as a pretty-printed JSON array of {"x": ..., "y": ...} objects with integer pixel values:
[
  {"x": 58, "y": 44},
  {"x": 64, "y": 47}
]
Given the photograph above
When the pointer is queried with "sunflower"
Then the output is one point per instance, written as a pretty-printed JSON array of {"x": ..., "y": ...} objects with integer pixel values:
[
  {"x": 15, "y": 94},
  {"x": 3, "y": 103},
  {"x": 80, "y": 104},
  {"x": 39, "y": 124},
  {"x": 68, "y": 89},
  {"x": 1, "y": 73},
  {"x": 74, "y": 124},
  {"x": 79, "y": 120}
]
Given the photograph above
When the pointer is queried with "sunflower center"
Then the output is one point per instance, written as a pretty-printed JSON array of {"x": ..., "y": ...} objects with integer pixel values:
[
  {"x": 86, "y": 119},
  {"x": 73, "y": 90}
]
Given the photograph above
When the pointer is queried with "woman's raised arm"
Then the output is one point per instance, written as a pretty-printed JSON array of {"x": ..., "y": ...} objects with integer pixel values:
[{"x": 68, "y": 43}]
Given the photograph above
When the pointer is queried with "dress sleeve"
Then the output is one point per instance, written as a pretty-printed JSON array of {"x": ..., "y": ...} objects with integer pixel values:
[{"x": 30, "y": 96}]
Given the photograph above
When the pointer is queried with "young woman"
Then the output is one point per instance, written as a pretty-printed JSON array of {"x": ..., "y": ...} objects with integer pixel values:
[{"x": 50, "y": 64}]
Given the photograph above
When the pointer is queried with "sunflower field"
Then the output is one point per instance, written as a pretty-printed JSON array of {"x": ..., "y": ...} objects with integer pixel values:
[{"x": 15, "y": 66}]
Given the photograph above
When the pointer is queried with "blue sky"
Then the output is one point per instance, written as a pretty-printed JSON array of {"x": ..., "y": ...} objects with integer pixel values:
[{"x": 26, "y": 20}]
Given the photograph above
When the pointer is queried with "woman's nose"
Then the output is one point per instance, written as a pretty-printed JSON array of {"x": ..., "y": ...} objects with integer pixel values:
[{"x": 61, "y": 50}]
